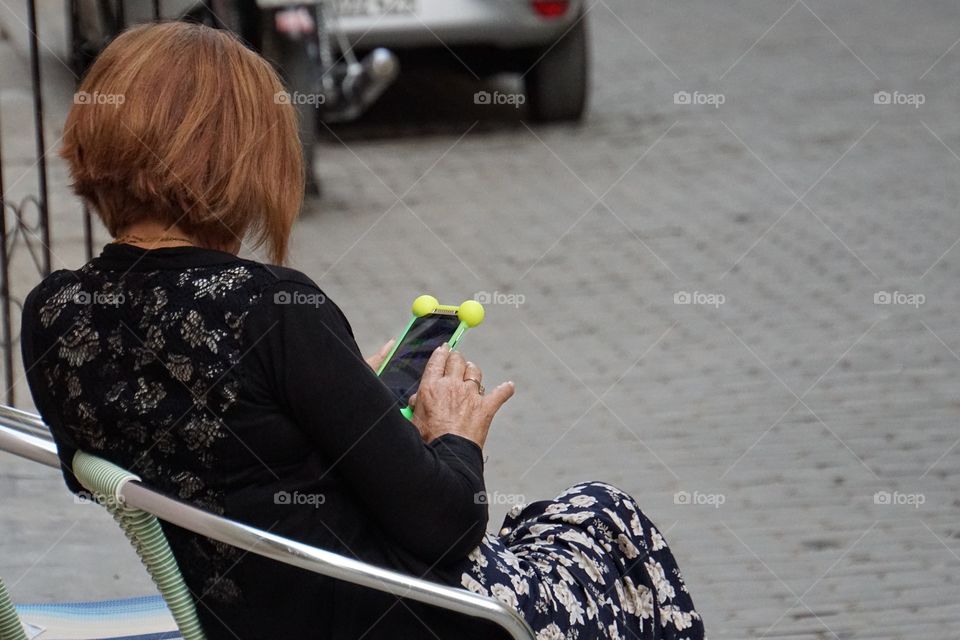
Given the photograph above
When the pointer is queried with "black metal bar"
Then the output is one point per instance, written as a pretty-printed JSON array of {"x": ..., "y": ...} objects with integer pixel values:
[
  {"x": 156, "y": 9},
  {"x": 120, "y": 16},
  {"x": 74, "y": 38},
  {"x": 107, "y": 17},
  {"x": 87, "y": 232},
  {"x": 38, "y": 133},
  {"x": 5, "y": 319}
]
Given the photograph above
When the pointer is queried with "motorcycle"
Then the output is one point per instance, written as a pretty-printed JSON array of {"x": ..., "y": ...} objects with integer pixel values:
[{"x": 325, "y": 81}]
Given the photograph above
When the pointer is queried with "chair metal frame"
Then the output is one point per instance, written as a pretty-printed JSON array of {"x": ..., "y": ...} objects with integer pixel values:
[{"x": 24, "y": 434}]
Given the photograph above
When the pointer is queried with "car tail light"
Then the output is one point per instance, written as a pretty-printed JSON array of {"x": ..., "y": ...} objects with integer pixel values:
[{"x": 550, "y": 8}]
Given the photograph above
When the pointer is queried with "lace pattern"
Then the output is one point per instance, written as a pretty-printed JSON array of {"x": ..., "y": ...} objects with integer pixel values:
[{"x": 142, "y": 367}]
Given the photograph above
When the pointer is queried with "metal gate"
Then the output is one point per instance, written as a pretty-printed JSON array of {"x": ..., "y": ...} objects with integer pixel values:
[{"x": 25, "y": 224}]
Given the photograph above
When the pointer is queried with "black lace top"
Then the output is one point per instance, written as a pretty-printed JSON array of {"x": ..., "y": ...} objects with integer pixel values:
[{"x": 238, "y": 387}]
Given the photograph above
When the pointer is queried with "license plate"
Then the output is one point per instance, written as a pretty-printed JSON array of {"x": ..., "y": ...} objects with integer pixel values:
[
  {"x": 284, "y": 4},
  {"x": 375, "y": 7}
]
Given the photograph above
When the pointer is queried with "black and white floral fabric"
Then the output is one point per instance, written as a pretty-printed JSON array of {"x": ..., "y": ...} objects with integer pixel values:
[{"x": 585, "y": 566}]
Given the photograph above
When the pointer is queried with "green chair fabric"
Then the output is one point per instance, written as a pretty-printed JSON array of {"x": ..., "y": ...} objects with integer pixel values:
[
  {"x": 105, "y": 481},
  {"x": 10, "y": 626}
]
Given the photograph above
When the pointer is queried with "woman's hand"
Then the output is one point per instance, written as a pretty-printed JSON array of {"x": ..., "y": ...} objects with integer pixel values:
[
  {"x": 449, "y": 398},
  {"x": 376, "y": 360}
]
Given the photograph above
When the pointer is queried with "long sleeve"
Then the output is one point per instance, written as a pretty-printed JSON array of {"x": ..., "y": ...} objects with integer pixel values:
[
  {"x": 424, "y": 496},
  {"x": 38, "y": 389}
]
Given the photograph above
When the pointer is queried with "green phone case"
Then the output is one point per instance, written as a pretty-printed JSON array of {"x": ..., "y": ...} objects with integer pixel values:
[{"x": 469, "y": 312}]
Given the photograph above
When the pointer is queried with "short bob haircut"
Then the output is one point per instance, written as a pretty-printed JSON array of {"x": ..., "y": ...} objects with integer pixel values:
[{"x": 182, "y": 124}]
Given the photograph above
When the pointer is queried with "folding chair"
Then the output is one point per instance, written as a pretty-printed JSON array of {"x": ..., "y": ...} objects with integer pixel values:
[{"x": 137, "y": 509}]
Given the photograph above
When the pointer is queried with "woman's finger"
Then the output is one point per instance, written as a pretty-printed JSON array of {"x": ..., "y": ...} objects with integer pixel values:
[
  {"x": 376, "y": 360},
  {"x": 455, "y": 365},
  {"x": 496, "y": 398},
  {"x": 412, "y": 401},
  {"x": 473, "y": 372},
  {"x": 437, "y": 363}
]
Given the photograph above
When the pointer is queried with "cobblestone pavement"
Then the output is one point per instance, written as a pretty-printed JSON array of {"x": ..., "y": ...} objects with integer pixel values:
[{"x": 794, "y": 428}]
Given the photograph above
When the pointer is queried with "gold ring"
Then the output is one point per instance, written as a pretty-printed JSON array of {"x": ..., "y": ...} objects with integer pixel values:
[{"x": 480, "y": 388}]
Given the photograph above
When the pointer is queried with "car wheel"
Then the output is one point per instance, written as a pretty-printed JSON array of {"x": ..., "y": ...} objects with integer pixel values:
[{"x": 557, "y": 83}]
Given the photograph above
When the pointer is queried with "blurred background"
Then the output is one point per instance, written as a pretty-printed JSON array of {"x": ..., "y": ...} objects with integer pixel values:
[{"x": 716, "y": 241}]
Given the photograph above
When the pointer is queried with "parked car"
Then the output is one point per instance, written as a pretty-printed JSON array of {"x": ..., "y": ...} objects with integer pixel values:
[{"x": 544, "y": 40}]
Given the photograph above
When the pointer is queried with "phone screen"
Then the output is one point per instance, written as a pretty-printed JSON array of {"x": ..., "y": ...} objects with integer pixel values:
[{"x": 404, "y": 370}]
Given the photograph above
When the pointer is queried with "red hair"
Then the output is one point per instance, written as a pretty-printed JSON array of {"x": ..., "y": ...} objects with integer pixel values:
[{"x": 181, "y": 123}]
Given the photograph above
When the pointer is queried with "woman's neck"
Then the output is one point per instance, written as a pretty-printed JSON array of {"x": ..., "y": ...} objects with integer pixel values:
[{"x": 149, "y": 234}]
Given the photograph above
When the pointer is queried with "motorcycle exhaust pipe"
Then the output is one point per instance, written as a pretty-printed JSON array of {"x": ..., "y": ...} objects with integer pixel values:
[{"x": 365, "y": 81}]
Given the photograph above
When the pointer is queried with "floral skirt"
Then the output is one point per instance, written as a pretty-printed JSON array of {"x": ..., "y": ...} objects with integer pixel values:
[{"x": 586, "y": 565}]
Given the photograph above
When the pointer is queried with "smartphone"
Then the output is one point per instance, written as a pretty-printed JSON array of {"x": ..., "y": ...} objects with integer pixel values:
[{"x": 404, "y": 368}]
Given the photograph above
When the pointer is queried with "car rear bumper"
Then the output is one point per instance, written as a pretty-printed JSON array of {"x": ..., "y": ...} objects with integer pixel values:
[{"x": 506, "y": 24}]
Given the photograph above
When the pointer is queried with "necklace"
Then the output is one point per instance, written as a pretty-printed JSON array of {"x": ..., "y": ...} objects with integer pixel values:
[{"x": 140, "y": 240}]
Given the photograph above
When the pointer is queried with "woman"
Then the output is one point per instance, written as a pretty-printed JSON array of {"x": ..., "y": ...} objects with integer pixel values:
[{"x": 238, "y": 387}]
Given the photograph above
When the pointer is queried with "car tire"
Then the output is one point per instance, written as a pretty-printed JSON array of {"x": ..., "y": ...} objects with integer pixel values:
[{"x": 557, "y": 84}]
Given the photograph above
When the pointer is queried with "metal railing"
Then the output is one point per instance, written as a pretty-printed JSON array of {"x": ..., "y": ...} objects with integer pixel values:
[{"x": 24, "y": 434}]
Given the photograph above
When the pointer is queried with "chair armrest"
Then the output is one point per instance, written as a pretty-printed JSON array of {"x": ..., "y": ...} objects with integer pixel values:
[
  {"x": 325, "y": 562},
  {"x": 19, "y": 435}
]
